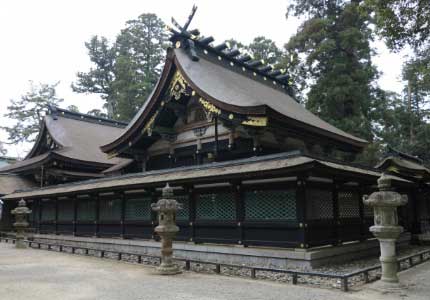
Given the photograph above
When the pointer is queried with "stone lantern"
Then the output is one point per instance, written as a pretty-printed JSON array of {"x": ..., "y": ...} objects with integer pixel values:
[
  {"x": 167, "y": 229},
  {"x": 21, "y": 223},
  {"x": 386, "y": 228}
]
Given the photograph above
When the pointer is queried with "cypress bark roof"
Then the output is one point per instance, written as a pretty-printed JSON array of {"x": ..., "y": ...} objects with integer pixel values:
[
  {"x": 258, "y": 167},
  {"x": 229, "y": 86},
  {"x": 77, "y": 137}
]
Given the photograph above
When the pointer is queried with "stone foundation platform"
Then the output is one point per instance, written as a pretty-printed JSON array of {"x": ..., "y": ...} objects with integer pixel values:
[{"x": 232, "y": 254}]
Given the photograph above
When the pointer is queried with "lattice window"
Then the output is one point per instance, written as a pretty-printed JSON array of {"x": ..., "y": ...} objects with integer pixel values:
[
  {"x": 86, "y": 210},
  {"x": 65, "y": 210},
  {"x": 110, "y": 209},
  {"x": 219, "y": 206},
  {"x": 184, "y": 213},
  {"x": 48, "y": 211},
  {"x": 270, "y": 205},
  {"x": 348, "y": 204},
  {"x": 319, "y": 204},
  {"x": 138, "y": 209}
]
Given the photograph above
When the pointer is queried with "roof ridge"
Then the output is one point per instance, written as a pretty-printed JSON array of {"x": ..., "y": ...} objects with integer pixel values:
[
  {"x": 188, "y": 39},
  {"x": 57, "y": 111},
  {"x": 276, "y": 78}
]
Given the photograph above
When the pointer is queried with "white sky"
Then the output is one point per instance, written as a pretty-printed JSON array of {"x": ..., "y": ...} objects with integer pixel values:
[{"x": 44, "y": 40}]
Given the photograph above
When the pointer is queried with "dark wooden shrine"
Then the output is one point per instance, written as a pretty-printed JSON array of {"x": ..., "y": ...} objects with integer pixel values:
[{"x": 249, "y": 164}]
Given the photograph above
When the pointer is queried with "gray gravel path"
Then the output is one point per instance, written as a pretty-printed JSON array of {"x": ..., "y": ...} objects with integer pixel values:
[{"x": 39, "y": 274}]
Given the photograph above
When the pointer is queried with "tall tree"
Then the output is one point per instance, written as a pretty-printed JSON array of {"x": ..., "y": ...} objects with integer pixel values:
[
  {"x": 27, "y": 111},
  {"x": 402, "y": 22},
  {"x": 406, "y": 24},
  {"x": 332, "y": 48},
  {"x": 100, "y": 78},
  {"x": 125, "y": 72},
  {"x": 265, "y": 49}
]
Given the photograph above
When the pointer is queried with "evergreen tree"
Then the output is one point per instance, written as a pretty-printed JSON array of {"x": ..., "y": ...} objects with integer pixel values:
[
  {"x": 402, "y": 22},
  {"x": 27, "y": 111},
  {"x": 99, "y": 79},
  {"x": 332, "y": 48},
  {"x": 125, "y": 72},
  {"x": 265, "y": 49}
]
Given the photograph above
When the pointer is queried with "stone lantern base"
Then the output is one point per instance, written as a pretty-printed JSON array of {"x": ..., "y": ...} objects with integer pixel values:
[{"x": 168, "y": 270}]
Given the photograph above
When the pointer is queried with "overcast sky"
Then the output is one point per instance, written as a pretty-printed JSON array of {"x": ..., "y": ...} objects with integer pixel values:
[{"x": 43, "y": 40}]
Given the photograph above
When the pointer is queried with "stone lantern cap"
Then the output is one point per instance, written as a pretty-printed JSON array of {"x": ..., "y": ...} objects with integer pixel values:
[
  {"x": 166, "y": 204},
  {"x": 22, "y": 209},
  {"x": 386, "y": 196}
]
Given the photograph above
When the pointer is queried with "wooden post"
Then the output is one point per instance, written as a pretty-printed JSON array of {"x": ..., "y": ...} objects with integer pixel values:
[
  {"x": 97, "y": 218},
  {"x": 240, "y": 210},
  {"x": 40, "y": 214},
  {"x": 56, "y": 215},
  {"x": 192, "y": 213},
  {"x": 154, "y": 199},
  {"x": 361, "y": 212},
  {"x": 75, "y": 214},
  {"x": 301, "y": 211},
  {"x": 336, "y": 221},
  {"x": 123, "y": 203}
]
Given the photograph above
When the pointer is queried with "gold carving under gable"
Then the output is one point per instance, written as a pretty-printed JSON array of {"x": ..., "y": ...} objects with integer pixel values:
[
  {"x": 209, "y": 106},
  {"x": 178, "y": 86},
  {"x": 148, "y": 127},
  {"x": 255, "y": 121}
]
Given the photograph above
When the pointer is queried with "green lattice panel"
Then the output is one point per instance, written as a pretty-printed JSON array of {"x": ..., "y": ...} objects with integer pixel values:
[
  {"x": 138, "y": 209},
  {"x": 48, "y": 211},
  {"x": 266, "y": 205},
  {"x": 65, "y": 210},
  {"x": 86, "y": 210},
  {"x": 110, "y": 209},
  {"x": 319, "y": 204},
  {"x": 184, "y": 213},
  {"x": 348, "y": 204},
  {"x": 219, "y": 207}
]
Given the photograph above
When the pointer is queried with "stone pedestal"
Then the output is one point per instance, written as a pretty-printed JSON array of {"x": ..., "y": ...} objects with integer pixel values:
[
  {"x": 21, "y": 223},
  {"x": 167, "y": 229},
  {"x": 386, "y": 228}
]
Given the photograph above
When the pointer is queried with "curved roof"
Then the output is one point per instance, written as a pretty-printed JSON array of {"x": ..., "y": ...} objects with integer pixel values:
[
  {"x": 78, "y": 138},
  {"x": 235, "y": 89},
  {"x": 281, "y": 164},
  {"x": 228, "y": 88}
]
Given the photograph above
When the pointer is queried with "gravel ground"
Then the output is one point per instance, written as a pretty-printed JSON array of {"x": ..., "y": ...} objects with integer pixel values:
[
  {"x": 40, "y": 275},
  {"x": 323, "y": 282}
]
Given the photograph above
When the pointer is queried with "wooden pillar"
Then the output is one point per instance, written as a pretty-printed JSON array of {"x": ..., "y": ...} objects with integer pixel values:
[
  {"x": 123, "y": 203},
  {"x": 97, "y": 218},
  {"x": 154, "y": 199},
  {"x": 192, "y": 213},
  {"x": 75, "y": 214},
  {"x": 240, "y": 211},
  {"x": 40, "y": 214},
  {"x": 301, "y": 211},
  {"x": 361, "y": 212},
  {"x": 336, "y": 220},
  {"x": 416, "y": 224},
  {"x": 56, "y": 215}
]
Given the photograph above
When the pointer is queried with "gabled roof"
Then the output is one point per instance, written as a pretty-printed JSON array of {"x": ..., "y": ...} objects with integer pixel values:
[
  {"x": 229, "y": 84},
  {"x": 77, "y": 137},
  {"x": 404, "y": 165}
]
